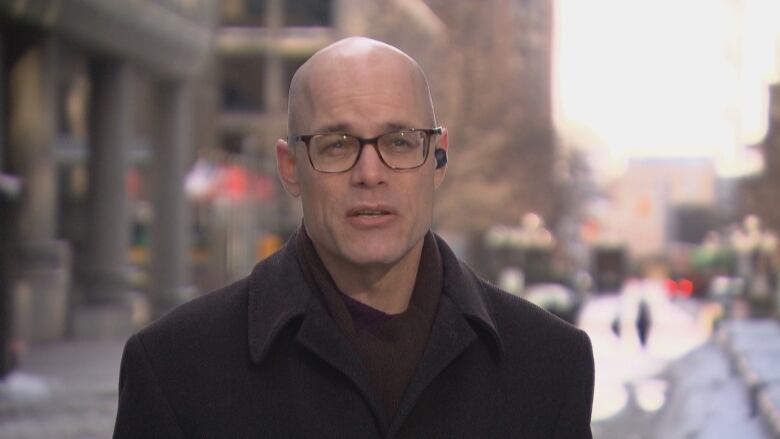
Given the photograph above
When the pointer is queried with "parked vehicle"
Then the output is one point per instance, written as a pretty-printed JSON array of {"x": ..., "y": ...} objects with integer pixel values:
[
  {"x": 609, "y": 266},
  {"x": 555, "y": 298}
]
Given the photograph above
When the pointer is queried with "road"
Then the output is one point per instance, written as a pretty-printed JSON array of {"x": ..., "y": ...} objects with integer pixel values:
[
  {"x": 678, "y": 386},
  {"x": 630, "y": 388}
]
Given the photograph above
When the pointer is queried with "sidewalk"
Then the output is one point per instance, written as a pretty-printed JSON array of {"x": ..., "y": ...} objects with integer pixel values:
[
  {"x": 62, "y": 390},
  {"x": 753, "y": 348},
  {"x": 707, "y": 400},
  {"x": 730, "y": 387}
]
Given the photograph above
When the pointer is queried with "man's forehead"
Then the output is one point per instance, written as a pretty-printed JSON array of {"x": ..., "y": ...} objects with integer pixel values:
[
  {"x": 370, "y": 68},
  {"x": 357, "y": 49},
  {"x": 357, "y": 67}
]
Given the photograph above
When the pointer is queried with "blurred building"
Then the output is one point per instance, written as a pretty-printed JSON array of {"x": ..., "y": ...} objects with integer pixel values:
[
  {"x": 97, "y": 124},
  {"x": 504, "y": 147},
  {"x": 760, "y": 192},
  {"x": 659, "y": 202},
  {"x": 111, "y": 105}
]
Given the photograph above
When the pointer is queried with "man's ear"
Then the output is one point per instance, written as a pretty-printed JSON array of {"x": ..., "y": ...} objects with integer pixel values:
[
  {"x": 443, "y": 142},
  {"x": 285, "y": 164}
]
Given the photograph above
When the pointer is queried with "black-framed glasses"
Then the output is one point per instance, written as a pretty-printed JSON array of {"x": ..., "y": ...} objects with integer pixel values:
[{"x": 339, "y": 152}]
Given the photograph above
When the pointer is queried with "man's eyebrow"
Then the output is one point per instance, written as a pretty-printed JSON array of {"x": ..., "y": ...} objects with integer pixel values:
[
  {"x": 397, "y": 126},
  {"x": 334, "y": 128},
  {"x": 342, "y": 127}
]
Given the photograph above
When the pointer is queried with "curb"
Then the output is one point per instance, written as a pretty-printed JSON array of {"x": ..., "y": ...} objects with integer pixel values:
[
  {"x": 753, "y": 348},
  {"x": 769, "y": 402}
]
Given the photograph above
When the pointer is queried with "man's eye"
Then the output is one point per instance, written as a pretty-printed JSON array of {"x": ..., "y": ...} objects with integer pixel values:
[
  {"x": 401, "y": 143},
  {"x": 333, "y": 147}
]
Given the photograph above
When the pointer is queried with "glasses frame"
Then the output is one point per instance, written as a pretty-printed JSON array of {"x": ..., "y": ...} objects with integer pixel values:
[{"x": 374, "y": 141}]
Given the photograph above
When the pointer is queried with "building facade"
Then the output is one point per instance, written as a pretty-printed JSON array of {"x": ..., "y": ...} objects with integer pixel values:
[
  {"x": 96, "y": 125},
  {"x": 647, "y": 206}
]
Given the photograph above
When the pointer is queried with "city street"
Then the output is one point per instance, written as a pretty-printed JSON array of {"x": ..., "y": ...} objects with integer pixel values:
[
  {"x": 152, "y": 151},
  {"x": 65, "y": 390},
  {"x": 623, "y": 366},
  {"x": 679, "y": 386}
]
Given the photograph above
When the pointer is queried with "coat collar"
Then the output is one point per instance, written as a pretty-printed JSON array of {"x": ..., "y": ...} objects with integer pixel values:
[
  {"x": 468, "y": 293},
  {"x": 279, "y": 295}
]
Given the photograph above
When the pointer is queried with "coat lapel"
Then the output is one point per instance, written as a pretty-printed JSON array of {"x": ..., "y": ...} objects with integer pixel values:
[
  {"x": 278, "y": 295},
  {"x": 461, "y": 306},
  {"x": 321, "y": 336},
  {"x": 450, "y": 336}
]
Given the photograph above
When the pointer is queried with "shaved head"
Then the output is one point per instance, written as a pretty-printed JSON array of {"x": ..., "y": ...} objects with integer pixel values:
[
  {"x": 354, "y": 62},
  {"x": 367, "y": 222}
]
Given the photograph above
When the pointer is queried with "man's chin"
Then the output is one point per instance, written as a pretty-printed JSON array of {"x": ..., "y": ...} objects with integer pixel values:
[
  {"x": 386, "y": 252},
  {"x": 365, "y": 257}
]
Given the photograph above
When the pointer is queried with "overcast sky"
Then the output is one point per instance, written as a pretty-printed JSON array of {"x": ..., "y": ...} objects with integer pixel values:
[{"x": 665, "y": 78}]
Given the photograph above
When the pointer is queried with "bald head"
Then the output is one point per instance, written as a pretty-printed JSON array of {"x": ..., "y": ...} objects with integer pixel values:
[{"x": 354, "y": 65}]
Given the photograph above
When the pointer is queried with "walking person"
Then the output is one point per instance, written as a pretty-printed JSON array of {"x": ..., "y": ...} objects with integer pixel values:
[{"x": 643, "y": 322}]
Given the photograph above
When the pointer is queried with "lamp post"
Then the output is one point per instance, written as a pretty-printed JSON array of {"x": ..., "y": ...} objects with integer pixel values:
[
  {"x": 756, "y": 252},
  {"x": 524, "y": 248}
]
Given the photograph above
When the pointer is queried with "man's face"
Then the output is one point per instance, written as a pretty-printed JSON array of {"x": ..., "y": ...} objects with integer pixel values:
[{"x": 370, "y": 215}]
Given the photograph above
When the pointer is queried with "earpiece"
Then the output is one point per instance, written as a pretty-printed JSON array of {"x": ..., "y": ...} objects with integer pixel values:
[{"x": 441, "y": 157}]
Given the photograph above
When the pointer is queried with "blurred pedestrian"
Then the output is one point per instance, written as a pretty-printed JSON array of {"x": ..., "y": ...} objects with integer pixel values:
[
  {"x": 615, "y": 325},
  {"x": 643, "y": 322},
  {"x": 364, "y": 324}
]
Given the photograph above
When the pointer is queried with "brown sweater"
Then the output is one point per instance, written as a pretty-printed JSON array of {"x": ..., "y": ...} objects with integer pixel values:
[{"x": 389, "y": 345}]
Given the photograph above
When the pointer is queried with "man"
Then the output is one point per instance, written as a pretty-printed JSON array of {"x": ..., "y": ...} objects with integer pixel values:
[{"x": 365, "y": 324}]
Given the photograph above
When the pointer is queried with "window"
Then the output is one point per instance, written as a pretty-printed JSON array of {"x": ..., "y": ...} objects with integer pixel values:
[
  {"x": 243, "y": 12},
  {"x": 307, "y": 13},
  {"x": 242, "y": 84}
]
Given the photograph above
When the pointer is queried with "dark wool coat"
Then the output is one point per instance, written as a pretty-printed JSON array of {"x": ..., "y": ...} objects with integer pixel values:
[{"x": 263, "y": 358}]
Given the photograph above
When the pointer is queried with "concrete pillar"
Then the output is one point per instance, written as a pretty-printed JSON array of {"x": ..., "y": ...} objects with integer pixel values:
[
  {"x": 3, "y": 88},
  {"x": 31, "y": 135},
  {"x": 273, "y": 82},
  {"x": 6, "y": 303},
  {"x": 105, "y": 302},
  {"x": 171, "y": 228},
  {"x": 6, "y": 236},
  {"x": 41, "y": 278}
]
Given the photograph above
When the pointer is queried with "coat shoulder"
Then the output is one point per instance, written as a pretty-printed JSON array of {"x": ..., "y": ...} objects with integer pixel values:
[
  {"x": 538, "y": 344},
  {"x": 217, "y": 311},
  {"x": 517, "y": 318}
]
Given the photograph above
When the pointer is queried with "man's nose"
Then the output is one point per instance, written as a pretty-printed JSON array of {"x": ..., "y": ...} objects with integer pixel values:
[{"x": 369, "y": 169}]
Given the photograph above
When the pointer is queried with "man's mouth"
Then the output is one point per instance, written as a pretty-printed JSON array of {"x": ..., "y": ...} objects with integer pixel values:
[{"x": 369, "y": 213}]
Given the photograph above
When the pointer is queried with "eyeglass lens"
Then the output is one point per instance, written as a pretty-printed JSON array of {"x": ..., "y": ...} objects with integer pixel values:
[{"x": 339, "y": 152}]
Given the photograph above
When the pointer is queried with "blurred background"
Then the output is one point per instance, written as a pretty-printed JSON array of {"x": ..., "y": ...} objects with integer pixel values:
[{"x": 616, "y": 162}]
